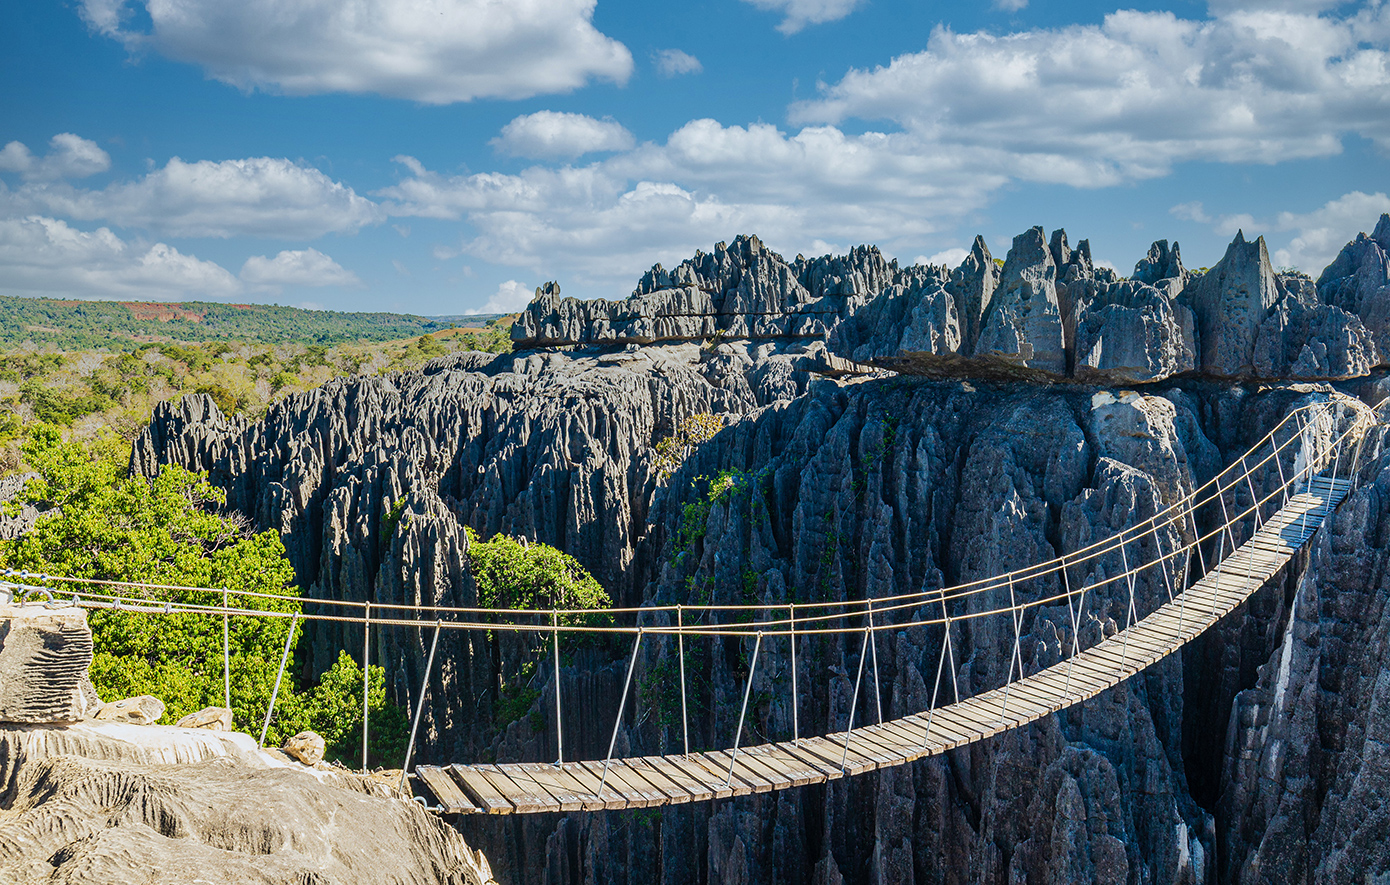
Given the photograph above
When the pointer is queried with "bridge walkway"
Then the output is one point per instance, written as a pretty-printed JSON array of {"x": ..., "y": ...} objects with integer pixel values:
[{"x": 526, "y": 788}]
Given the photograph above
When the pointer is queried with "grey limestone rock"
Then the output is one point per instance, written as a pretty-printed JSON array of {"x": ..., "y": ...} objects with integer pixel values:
[
  {"x": 1304, "y": 340},
  {"x": 1162, "y": 263},
  {"x": 44, "y": 656},
  {"x": 1230, "y": 302},
  {"x": 1358, "y": 281},
  {"x": 972, "y": 285},
  {"x": 1023, "y": 323},
  {"x": 1129, "y": 332}
]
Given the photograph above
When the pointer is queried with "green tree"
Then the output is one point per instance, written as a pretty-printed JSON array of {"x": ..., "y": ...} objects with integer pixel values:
[
  {"x": 100, "y": 523},
  {"x": 521, "y": 575}
]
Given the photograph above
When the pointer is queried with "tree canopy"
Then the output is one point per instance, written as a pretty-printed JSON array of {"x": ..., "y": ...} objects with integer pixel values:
[{"x": 100, "y": 523}]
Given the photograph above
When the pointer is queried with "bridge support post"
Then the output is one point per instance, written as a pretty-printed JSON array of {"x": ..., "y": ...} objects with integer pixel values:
[
  {"x": 622, "y": 705},
  {"x": 226, "y": 654},
  {"x": 796, "y": 726},
  {"x": 680, "y": 652},
  {"x": 747, "y": 693},
  {"x": 420, "y": 704},
  {"x": 275, "y": 692},
  {"x": 366, "y": 673},
  {"x": 559, "y": 719},
  {"x": 873, "y": 650}
]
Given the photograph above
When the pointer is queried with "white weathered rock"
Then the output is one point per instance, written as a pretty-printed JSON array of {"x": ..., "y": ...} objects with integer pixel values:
[
  {"x": 44, "y": 656},
  {"x": 144, "y": 710},
  {"x": 107, "y": 803},
  {"x": 211, "y": 718},
  {"x": 307, "y": 747}
]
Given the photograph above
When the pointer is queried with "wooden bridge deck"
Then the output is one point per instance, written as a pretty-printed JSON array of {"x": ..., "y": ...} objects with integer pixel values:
[{"x": 523, "y": 788}]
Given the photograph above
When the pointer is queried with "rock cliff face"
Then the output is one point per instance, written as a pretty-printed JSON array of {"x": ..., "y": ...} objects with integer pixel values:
[{"x": 836, "y": 488}]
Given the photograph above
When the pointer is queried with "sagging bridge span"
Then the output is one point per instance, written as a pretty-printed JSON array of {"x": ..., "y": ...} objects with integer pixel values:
[{"x": 1270, "y": 502}]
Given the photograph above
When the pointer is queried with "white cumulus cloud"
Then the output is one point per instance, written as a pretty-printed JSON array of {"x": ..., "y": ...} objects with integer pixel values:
[
  {"x": 797, "y": 14},
  {"x": 261, "y": 197},
  {"x": 510, "y": 297},
  {"x": 674, "y": 62},
  {"x": 307, "y": 267},
  {"x": 42, "y": 256},
  {"x": 69, "y": 156},
  {"x": 555, "y": 135},
  {"x": 432, "y": 51},
  {"x": 605, "y": 222},
  {"x": 1319, "y": 235},
  {"x": 1128, "y": 98}
]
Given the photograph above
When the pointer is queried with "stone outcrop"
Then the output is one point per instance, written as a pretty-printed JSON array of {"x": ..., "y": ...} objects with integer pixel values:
[
  {"x": 144, "y": 710},
  {"x": 44, "y": 656},
  {"x": 119, "y": 804},
  {"x": 1230, "y": 302},
  {"x": 306, "y": 747},
  {"x": 211, "y": 718},
  {"x": 1358, "y": 281},
  {"x": 1023, "y": 321},
  {"x": 1132, "y": 332}
]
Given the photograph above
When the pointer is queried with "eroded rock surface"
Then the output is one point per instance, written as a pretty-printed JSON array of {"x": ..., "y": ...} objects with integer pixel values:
[
  {"x": 114, "y": 804},
  {"x": 44, "y": 656}
]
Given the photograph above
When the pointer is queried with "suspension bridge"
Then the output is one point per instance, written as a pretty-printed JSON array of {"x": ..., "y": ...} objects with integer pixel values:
[{"x": 1266, "y": 505}]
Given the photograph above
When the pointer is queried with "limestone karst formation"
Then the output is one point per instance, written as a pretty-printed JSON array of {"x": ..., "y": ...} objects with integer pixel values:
[{"x": 896, "y": 428}]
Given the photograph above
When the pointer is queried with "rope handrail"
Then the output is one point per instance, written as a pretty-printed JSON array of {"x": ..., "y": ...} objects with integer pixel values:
[
  {"x": 1168, "y": 517},
  {"x": 1096, "y": 550}
]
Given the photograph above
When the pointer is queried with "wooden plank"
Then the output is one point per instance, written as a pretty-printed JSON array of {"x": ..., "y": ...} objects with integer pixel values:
[
  {"x": 635, "y": 772},
  {"x": 589, "y": 783},
  {"x": 793, "y": 770},
  {"x": 447, "y": 793},
  {"x": 760, "y": 766},
  {"x": 561, "y": 788},
  {"x": 828, "y": 771},
  {"x": 741, "y": 781},
  {"x": 678, "y": 777},
  {"x": 636, "y": 795},
  {"x": 859, "y": 743},
  {"x": 831, "y": 753},
  {"x": 945, "y": 732},
  {"x": 519, "y": 789},
  {"x": 653, "y": 774},
  {"x": 754, "y": 777},
  {"x": 887, "y": 751},
  {"x": 694, "y": 769},
  {"x": 480, "y": 791}
]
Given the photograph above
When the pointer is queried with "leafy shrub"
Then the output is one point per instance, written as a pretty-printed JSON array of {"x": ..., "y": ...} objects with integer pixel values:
[
  {"x": 100, "y": 523},
  {"x": 672, "y": 451}
]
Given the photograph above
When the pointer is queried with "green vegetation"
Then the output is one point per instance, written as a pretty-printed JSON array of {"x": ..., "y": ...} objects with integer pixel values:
[
  {"x": 91, "y": 325},
  {"x": 672, "y": 451},
  {"x": 520, "y": 575},
  {"x": 99, "y": 523},
  {"x": 91, "y": 391}
]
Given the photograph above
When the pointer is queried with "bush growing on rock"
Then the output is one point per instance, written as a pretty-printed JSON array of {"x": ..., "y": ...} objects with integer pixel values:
[{"x": 672, "y": 451}]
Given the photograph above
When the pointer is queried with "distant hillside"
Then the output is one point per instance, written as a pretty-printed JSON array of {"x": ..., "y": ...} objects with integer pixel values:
[{"x": 89, "y": 325}]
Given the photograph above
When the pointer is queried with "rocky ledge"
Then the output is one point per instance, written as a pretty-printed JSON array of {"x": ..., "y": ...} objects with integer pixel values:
[
  {"x": 102, "y": 802},
  {"x": 1047, "y": 312}
]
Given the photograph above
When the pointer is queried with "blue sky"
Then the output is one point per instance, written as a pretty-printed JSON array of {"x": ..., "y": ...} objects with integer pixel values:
[{"x": 447, "y": 156}]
